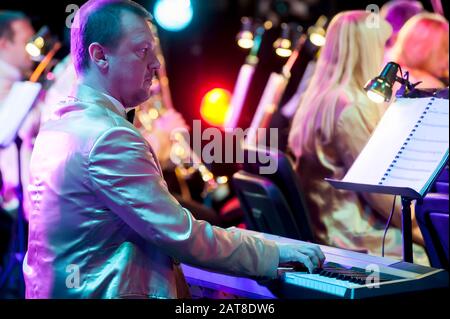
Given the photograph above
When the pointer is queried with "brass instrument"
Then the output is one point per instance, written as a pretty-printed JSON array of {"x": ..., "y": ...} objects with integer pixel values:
[
  {"x": 270, "y": 100},
  {"x": 42, "y": 42},
  {"x": 159, "y": 103}
]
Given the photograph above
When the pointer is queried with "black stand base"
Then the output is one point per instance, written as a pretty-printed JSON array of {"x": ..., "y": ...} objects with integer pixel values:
[{"x": 407, "y": 230}]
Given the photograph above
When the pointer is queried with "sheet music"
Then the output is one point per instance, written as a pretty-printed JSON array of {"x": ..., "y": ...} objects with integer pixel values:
[
  {"x": 15, "y": 108},
  {"x": 407, "y": 147}
]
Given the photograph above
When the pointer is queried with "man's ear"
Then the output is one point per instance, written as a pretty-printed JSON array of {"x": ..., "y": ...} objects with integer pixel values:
[{"x": 98, "y": 55}]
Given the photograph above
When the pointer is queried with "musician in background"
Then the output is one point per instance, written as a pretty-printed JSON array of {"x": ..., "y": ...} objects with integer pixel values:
[
  {"x": 100, "y": 204},
  {"x": 422, "y": 49},
  {"x": 397, "y": 12},
  {"x": 330, "y": 128},
  {"x": 15, "y": 63},
  {"x": 159, "y": 137}
]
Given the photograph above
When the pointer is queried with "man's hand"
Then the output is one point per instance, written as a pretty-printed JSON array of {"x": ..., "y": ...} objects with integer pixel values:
[{"x": 309, "y": 255}]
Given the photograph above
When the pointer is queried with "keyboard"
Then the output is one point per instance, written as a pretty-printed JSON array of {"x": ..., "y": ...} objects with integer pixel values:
[
  {"x": 344, "y": 275},
  {"x": 352, "y": 275},
  {"x": 345, "y": 280}
]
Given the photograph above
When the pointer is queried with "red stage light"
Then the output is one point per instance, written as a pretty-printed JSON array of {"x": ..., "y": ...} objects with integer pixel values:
[{"x": 214, "y": 106}]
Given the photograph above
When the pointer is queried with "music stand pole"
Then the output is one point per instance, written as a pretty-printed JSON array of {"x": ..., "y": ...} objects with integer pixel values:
[
  {"x": 407, "y": 229},
  {"x": 18, "y": 245},
  {"x": 19, "y": 254}
]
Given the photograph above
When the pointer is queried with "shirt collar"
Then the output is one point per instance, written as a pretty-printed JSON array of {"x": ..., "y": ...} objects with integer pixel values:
[
  {"x": 85, "y": 93},
  {"x": 119, "y": 106}
]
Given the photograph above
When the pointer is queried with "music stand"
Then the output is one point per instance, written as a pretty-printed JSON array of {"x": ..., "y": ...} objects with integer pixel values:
[
  {"x": 417, "y": 129},
  {"x": 13, "y": 112}
]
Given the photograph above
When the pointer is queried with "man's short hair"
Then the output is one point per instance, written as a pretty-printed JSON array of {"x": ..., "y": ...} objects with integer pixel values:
[
  {"x": 6, "y": 19},
  {"x": 99, "y": 21}
]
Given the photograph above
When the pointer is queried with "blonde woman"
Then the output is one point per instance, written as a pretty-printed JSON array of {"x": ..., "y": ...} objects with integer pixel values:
[
  {"x": 331, "y": 126},
  {"x": 422, "y": 48}
]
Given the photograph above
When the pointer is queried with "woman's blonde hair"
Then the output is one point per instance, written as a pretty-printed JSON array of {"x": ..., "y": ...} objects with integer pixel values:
[
  {"x": 421, "y": 35},
  {"x": 352, "y": 54}
]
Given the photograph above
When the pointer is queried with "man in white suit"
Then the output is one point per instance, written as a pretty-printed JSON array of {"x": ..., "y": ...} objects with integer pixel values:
[{"x": 101, "y": 209}]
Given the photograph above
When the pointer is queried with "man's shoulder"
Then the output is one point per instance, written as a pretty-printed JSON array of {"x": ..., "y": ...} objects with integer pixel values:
[
  {"x": 75, "y": 114},
  {"x": 83, "y": 124}
]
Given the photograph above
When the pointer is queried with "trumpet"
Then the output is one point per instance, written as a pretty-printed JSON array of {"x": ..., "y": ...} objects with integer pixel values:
[{"x": 160, "y": 102}]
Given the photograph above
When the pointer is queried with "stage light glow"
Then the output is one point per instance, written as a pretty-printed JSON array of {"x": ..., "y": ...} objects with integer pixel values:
[
  {"x": 173, "y": 15},
  {"x": 317, "y": 31},
  {"x": 215, "y": 105},
  {"x": 33, "y": 50},
  {"x": 268, "y": 25},
  {"x": 283, "y": 45},
  {"x": 245, "y": 40},
  {"x": 317, "y": 39},
  {"x": 245, "y": 36}
]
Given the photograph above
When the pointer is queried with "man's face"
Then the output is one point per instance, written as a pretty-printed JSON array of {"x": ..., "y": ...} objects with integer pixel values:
[
  {"x": 133, "y": 63},
  {"x": 14, "y": 51}
]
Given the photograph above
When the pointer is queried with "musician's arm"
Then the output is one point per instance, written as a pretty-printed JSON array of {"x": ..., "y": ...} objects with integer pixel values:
[{"x": 125, "y": 176}]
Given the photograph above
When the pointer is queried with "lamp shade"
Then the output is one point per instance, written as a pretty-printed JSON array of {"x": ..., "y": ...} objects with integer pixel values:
[{"x": 379, "y": 89}]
